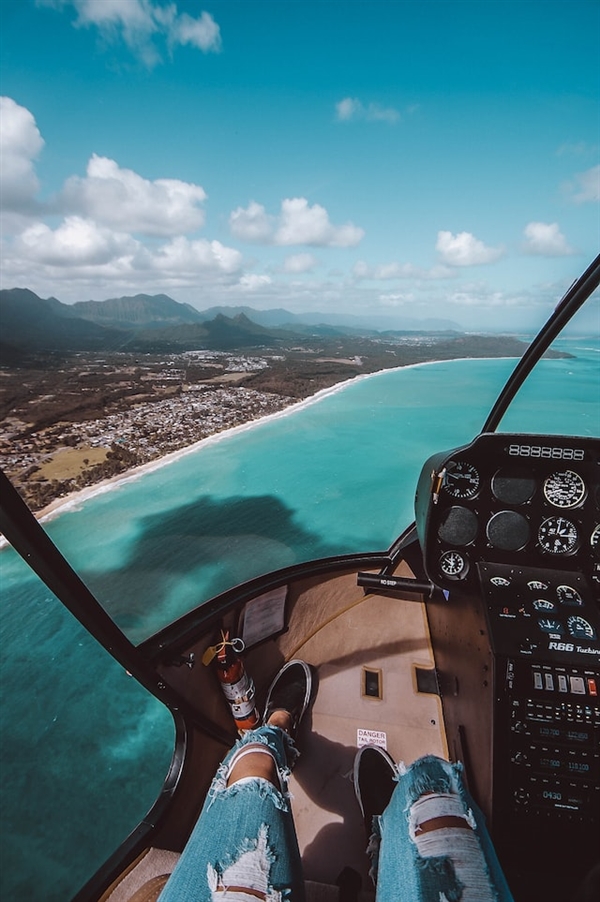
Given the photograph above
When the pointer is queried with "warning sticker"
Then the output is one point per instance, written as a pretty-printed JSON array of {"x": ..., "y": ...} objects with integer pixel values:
[{"x": 371, "y": 737}]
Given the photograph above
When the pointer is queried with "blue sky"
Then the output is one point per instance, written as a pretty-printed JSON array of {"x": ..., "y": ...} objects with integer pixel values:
[{"x": 431, "y": 159}]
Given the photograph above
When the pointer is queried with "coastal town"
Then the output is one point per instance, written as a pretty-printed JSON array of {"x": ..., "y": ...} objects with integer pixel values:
[
  {"x": 70, "y": 421},
  {"x": 150, "y": 408}
]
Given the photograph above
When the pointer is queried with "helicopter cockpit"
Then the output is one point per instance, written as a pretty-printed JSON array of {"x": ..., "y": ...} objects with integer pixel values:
[{"x": 476, "y": 637}]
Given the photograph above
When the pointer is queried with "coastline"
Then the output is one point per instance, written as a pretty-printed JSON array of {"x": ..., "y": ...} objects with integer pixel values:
[
  {"x": 76, "y": 498},
  {"x": 59, "y": 505}
]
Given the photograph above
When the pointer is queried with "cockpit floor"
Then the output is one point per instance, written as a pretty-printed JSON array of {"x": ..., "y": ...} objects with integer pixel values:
[{"x": 388, "y": 638}]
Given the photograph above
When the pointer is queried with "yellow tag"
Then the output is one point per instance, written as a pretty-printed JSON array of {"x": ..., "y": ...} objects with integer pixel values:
[
  {"x": 237, "y": 645},
  {"x": 209, "y": 654}
]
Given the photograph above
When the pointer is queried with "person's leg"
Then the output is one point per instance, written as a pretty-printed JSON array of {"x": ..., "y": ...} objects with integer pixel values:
[
  {"x": 244, "y": 846},
  {"x": 431, "y": 841}
]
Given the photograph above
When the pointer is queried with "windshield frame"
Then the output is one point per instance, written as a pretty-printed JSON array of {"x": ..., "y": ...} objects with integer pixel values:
[{"x": 575, "y": 297}]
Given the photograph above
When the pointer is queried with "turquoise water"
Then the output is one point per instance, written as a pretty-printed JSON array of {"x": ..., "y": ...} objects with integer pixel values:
[{"x": 84, "y": 749}]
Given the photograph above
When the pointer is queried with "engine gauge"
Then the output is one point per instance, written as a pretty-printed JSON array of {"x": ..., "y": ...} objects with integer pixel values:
[
  {"x": 595, "y": 540},
  {"x": 453, "y": 565},
  {"x": 568, "y": 595},
  {"x": 580, "y": 628},
  {"x": 536, "y": 585},
  {"x": 557, "y": 535},
  {"x": 461, "y": 479},
  {"x": 542, "y": 604},
  {"x": 548, "y": 625},
  {"x": 564, "y": 489}
]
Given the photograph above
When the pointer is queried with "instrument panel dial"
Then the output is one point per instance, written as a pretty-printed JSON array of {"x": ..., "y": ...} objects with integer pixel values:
[
  {"x": 542, "y": 604},
  {"x": 453, "y": 565},
  {"x": 569, "y": 595},
  {"x": 461, "y": 479},
  {"x": 549, "y": 625},
  {"x": 564, "y": 489},
  {"x": 557, "y": 535},
  {"x": 580, "y": 628}
]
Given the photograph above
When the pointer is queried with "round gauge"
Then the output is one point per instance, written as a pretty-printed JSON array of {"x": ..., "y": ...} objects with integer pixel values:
[
  {"x": 537, "y": 585},
  {"x": 458, "y": 526},
  {"x": 542, "y": 604},
  {"x": 512, "y": 486},
  {"x": 568, "y": 595},
  {"x": 595, "y": 540},
  {"x": 453, "y": 565},
  {"x": 565, "y": 490},
  {"x": 508, "y": 530},
  {"x": 461, "y": 480},
  {"x": 558, "y": 535},
  {"x": 548, "y": 625},
  {"x": 580, "y": 628}
]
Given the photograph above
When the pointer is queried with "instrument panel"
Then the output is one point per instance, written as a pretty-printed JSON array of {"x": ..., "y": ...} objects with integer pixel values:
[
  {"x": 517, "y": 518},
  {"x": 511, "y": 499}
]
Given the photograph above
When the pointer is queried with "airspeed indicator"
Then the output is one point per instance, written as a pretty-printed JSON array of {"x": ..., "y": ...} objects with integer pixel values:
[{"x": 565, "y": 489}]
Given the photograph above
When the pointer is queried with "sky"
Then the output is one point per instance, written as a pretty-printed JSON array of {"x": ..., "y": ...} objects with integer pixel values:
[{"x": 435, "y": 159}]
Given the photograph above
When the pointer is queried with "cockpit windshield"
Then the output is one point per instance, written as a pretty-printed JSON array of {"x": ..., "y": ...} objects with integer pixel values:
[
  {"x": 561, "y": 396},
  {"x": 331, "y": 476}
]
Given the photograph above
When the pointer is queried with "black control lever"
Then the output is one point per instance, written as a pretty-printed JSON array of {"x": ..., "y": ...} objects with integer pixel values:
[{"x": 390, "y": 585}]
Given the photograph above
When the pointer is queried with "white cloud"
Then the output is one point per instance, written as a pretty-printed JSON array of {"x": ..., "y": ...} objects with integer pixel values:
[
  {"x": 350, "y": 108},
  {"x": 586, "y": 186},
  {"x": 396, "y": 300},
  {"x": 81, "y": 253},
  {"x": 139, "y": 23},
  {"x": 252, "y": 224},
  {"x": 76, "y": 241},
  {"x": 185, "y": 256},
  {"x": 297, "y": 223},
  {"x": 298, "y": 263},
  {"x": 203, "y": 32},
  {"x": 123, "y": 199},
  {"x": 546, "y": 240},
  {"x": 253, "y": 282},
  {"x": 301, "y": 224},
  {"x": 387, "y": 271},
  {"x": 20, "y": 144},
  {"x": 464, "y": 249}
]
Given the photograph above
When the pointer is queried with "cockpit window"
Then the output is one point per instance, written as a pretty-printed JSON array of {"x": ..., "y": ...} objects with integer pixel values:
[{"x": 562, "y": 394}]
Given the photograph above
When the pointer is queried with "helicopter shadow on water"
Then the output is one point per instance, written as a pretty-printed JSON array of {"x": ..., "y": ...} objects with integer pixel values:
[{"x": 193, "y": 552}]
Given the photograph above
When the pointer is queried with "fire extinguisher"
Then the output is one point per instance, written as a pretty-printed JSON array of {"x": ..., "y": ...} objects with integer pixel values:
[{"x": 237, "y": 685}]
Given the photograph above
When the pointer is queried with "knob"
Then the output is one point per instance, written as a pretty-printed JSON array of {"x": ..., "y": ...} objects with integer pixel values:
[{"x": 521, "y": 796}]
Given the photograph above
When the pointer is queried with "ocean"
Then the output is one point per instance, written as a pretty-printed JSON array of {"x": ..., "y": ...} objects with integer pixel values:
[{"x": 84, "y": 748}]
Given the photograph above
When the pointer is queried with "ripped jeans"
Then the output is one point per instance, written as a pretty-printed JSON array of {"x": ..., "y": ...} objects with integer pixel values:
[
  {"x": 417, "y": 858},
  {"x": 244, "y": 846}
]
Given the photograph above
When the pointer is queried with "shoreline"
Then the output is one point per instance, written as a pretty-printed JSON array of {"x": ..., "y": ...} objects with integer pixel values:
[
  {"x": 73, "y": 499},
  {"x": 55, "y": 507}
]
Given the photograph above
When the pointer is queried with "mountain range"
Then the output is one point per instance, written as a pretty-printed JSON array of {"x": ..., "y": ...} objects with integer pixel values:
[{"x": 158, "y": 323}]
